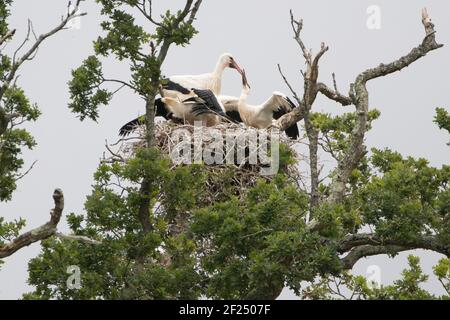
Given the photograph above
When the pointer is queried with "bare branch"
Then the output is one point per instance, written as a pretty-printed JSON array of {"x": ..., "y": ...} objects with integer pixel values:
[
  {"x": 27, "y": 38},
  {"x": 148, "y": 13},
  {"x": 185, "y": 11},
  {"x": 194, "y": 11},
  {"x": 357, "y": 149},
  {"x": 16, "y": 64},
  {"x": 123, "y": 83},
  {"x": 26, "y": 172},
  {"x": 310, "y": 78},
  {"x": 334, "y": 94},
  {"x": 72, "y": 237},
  {"x": 297, "y": 27},
  {"x": 299, "y": 101},
  {"x": 313, "y": 137},
  {"x": 43, "y": 232},
  {"x": 366, "y": 251},
  {"x": 363, "y": 245},
  {"x": 183, "y": 14}
]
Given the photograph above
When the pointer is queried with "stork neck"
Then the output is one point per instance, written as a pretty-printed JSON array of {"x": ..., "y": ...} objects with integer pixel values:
[
  {"x": 219, "y": 69},
  {"x": 243, "y": 97}
]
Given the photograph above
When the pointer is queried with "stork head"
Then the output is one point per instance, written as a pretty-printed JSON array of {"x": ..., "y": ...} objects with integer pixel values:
[{"x": 227, "y": 60}]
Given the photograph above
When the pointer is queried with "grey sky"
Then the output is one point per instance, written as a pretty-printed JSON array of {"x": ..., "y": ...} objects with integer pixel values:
[{"x": 258, "y": 33}]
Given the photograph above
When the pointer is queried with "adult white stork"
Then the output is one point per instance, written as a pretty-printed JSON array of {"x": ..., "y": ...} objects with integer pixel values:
[
  {"x": 180, "y": 86},
  {"x": 204, "y": 107},
  {"x": 177, "y": 89},
  {"x": 263, "y": 115}
]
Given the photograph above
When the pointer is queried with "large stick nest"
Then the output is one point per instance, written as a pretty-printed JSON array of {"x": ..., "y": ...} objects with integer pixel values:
[{"x": 175, "y": 140}]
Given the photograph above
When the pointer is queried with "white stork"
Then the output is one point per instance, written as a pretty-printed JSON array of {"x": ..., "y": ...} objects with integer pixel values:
[
  {"x": 263, "y": 115},
  {"x": 204, "y": 107},
  {"x": 177, "y": 89},
  {"x": 180, "y": 86}
]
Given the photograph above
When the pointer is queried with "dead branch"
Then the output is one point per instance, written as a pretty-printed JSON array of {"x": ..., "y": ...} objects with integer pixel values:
[
  {"x": 43, "y": 232},
  {"x": 147, "y": 13},
  {"x": 21, "y": 176},
  {"x": 286, "y": 81},
  {"x": 310, "y": 78},
  {"x": 194, "y": 11},
  {"x": 362, "y": 245},
  {"x": 17, "y": 64},
  {"x": 357, "y": 149},
  {"x": 334, "y": 94},
  {"x": 72, "y": 237}
]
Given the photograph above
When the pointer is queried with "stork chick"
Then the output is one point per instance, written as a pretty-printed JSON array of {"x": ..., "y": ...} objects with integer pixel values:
[{"x": 262, "y": 116}]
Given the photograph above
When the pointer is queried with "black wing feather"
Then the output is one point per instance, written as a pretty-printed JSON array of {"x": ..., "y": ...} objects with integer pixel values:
[
  {"x": 130, "y": 126},
  {"x": 161, "y": 111},
  {"x": 292, "y": 132},
  {"x": 209, "y": 104},
  {"x": 173, "y": 86},
  {"x": 235, "y": 115}
]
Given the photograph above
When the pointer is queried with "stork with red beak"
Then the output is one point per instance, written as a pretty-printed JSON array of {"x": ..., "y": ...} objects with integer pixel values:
[
  {"x": 181, "y": 86},
  {"x": 177, "y": 92}
]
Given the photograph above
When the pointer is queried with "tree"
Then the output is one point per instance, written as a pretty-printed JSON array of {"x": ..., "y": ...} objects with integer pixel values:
[
  {"x": 15, "y": 110},
  {"x": 348, "y": 287},
  {"x": 169, "y": 232}
]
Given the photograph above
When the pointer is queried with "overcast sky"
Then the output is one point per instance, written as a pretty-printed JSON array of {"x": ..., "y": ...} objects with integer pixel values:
[{"x": 258, "y": 34}]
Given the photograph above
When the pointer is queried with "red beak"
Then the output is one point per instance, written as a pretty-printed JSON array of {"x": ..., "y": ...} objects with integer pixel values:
[
  {"x": 244, "y": 79},
  {"x": 234, "y": 65}
]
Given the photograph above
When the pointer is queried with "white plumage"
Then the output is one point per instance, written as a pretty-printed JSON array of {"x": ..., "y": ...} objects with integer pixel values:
[
  {"x": 185, "y": 110},
  {"x": 207, "y": 81},
  {"x": 261, "y": 116}
]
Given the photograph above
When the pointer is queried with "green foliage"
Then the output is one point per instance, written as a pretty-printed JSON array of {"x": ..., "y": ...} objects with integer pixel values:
[
  {"x": 337, "y": 220},
  {"x": 15, "y": 108},
  {"x": 251, "y": 242},
  {"x": 173, "y": 31},
  {"x": 13, "y": 140},
  {"x": 4, "y": 14},
  {"x": 128, "y": 263},
  {"x": 207, "y": 236},
  {"x": 128, "y": 41},
  {"x": 146, "y": 75},
  {"x": 15, "y": 101},
  {"x": 348, "y": 287},
  {"x": 124, "y": 38},
  {"x": 208, "y": 242},
  {"x": 442, "y": 119},
  {"x": 442, "y": 272},
  {"x": 10, "y": 230},
  {"x": 84, "y": 89},
  {"x": 232, "y": 248},
  {"x": 11, "y": 162},
  {"x": 410, "y": 198},
  {"x": 336, "y": 130}
]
